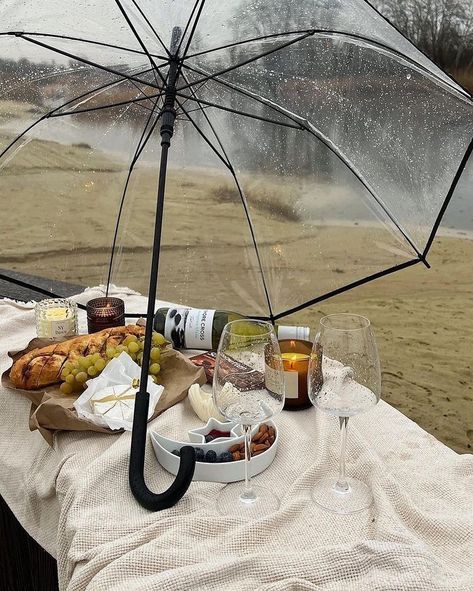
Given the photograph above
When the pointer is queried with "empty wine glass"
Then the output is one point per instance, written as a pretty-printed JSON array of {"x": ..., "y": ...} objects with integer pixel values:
[
  {"x": 248, "y": 388},
  {"x": 346, "y": 347}
]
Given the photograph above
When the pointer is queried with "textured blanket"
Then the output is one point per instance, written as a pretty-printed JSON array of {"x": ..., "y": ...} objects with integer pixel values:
[{"x": 75, "y": 501}]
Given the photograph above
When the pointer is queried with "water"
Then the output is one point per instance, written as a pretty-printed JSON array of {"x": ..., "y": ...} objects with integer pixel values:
[
  {"x": 247, "y": 408},
  {"x": 346, "y": 403}
]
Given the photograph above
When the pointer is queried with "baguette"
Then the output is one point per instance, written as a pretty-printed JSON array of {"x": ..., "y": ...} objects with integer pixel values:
[{"x": 42, "y": 367}]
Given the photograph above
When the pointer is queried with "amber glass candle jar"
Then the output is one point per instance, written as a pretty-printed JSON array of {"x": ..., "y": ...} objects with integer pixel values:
[{"x": 105, "y": 313}]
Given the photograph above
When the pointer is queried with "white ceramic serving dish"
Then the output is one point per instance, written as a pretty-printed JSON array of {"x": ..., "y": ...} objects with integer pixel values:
[{"x": 219, "y": 471}]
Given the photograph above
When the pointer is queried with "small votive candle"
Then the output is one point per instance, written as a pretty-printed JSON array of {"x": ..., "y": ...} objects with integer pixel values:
[
  {"x": 105, "y": 313},
  {"x": 295, "y": 357},
  {"x": 56, "y": 318}
]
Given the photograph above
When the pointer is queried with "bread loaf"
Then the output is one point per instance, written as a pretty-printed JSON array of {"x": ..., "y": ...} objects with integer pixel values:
[{"x": 42, "y": 367}]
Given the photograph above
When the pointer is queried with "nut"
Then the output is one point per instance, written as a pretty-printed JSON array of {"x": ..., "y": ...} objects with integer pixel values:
[
  {"x": 236, "y": 456},
  {"x": 234, "y": 448},
  {"x": 260, "y": 447},
  {"x": 264, "y": 428}
]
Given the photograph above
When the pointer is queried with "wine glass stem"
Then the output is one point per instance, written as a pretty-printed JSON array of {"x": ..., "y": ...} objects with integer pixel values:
[
  {"x": 342, "y": 484},
  {"x": 248, "y": 495}
]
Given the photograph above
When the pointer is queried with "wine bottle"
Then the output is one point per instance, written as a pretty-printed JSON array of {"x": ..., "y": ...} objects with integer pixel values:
[{"x": 192, "y": 328}]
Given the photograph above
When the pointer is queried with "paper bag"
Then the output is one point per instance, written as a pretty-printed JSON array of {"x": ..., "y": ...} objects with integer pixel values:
[{"x": 51, "y": 410}]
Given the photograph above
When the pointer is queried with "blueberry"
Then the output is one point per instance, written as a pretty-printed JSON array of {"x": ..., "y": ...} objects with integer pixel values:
[
  {"x": 176, "y": 452},
  {"x": 226, "y": 456},
  {"x": 199, "y": 454},
  {"x": 211, "y": 456}
]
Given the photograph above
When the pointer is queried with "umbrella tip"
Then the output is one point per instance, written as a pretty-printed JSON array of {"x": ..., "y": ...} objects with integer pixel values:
[{"x": 175, "y": 39}]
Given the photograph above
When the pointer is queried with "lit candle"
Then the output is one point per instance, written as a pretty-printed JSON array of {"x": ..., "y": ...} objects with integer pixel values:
[
  {"x": 295, "y": 357},
  {"x": 105, "y": 313}
]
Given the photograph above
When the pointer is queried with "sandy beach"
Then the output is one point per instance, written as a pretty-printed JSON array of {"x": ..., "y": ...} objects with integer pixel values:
[{"x": 64, "y": 199}]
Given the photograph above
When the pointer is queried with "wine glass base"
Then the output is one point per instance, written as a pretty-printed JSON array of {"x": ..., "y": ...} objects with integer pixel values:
[
  {"x": 328, "y": 495},
  {"x": 232, "y": 502}
]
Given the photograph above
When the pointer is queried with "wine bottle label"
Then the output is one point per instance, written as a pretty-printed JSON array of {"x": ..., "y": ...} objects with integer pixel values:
[
  {"x": 198, "y": 333},
  {"x": 189, "y": 328},
  {"x": 291, "y": 382}
]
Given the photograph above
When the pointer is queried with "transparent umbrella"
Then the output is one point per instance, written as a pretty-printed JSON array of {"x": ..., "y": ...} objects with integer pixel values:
[{"x": 313, "y": 149}]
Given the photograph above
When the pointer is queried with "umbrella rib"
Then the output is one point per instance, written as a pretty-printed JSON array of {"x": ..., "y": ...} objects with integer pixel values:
[
  {"x": 135, "y": 100},
  {"x": 204, "y": 137},
  {"x": 458, "y": 89},
  {"x": 453, "y": 186},
  {"x": 243, "y": 201},
  {"x": 138, "y": 38},
  {"x": 187, "y": 26},
  {"x": 147, "y": 21},
  {"x": 352, "y": 285},
  {"x": 138, "y": 151},
  {"x": 251, "y": 59},
  {"x": 89, "y": 41},
  {"x": 242, "y": 113},
  {"x": 87, "y": 62},
  {"x": 191, "y": 34},
  {"x": 304, "y": 124},
  {"x": 50, "y": 113}
]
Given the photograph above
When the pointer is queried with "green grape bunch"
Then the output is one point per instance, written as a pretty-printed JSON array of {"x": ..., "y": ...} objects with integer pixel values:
[{"x": 77, "y": 371}]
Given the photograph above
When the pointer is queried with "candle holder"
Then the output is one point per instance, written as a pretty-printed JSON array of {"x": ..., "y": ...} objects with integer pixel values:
[
  {"x": 295, "y": 356},
  {"x": 56, "y": 318},
  {"x": 105, "y": 313}
]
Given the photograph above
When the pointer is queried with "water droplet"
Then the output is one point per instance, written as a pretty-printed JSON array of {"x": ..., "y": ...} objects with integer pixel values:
[{"x": 408, "y": 76}]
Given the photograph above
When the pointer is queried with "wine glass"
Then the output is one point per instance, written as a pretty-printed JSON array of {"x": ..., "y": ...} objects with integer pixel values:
[
  {"x": 248, "y": 388},
  {"x": 346, "y": 348}
]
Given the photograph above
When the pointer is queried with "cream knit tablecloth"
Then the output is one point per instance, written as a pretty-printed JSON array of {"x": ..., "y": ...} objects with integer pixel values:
[{"x": 75, "y": 501}]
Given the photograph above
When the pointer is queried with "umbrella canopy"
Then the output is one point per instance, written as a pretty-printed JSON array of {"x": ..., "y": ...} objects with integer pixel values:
[
  {"x": 303, "y": 133},
  {"x": 294, "y": 119}
]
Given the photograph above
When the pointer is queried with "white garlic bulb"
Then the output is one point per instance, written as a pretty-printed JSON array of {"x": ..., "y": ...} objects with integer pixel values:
[{"x": 203, "y": 404}]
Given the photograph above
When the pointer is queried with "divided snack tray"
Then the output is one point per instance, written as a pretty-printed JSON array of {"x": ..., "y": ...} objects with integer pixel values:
[{"x": 219, "y": 471}]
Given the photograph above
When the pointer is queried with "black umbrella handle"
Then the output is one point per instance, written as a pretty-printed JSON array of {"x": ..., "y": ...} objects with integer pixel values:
[{"x": 146, "y": 498}]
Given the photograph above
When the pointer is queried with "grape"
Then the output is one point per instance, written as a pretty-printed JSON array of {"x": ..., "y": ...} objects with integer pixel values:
[
  {"x": 139, "y": 358},
  {"x": 85, "y": 362},
  {"x": 81, "y": 377},
  {"x": 96, "y": 357},
  {"x": 75, "y": 371},
  {"x": 65, "y": 388},
  {"x": 100, "y": 364},
  {"x": 110, "y": 352},
  {"x": 64, "y": 374},
  {"x": 133, "y": 356},
  {"x": 141, "y": 344},
  {"x": 133, "y": 347},
  {"x": 154, "y": 368},
  {"x": 131, "y": 338},
  {"x": 121, "y": 348},
  {"x": 155, "y": 354},
  {"x": 70, "y": 379},
  {"x": 92, "y": 371},
  {"x": 158, "y": 339}
]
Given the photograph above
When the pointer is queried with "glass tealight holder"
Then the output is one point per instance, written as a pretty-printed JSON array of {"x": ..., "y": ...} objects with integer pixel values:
[
  {"x": 105, "y": 312},
  {"x": 56, "y": 318}
]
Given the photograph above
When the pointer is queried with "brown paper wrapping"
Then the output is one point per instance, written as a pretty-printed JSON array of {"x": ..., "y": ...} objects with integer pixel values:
[{"x": 51, "y": 410}]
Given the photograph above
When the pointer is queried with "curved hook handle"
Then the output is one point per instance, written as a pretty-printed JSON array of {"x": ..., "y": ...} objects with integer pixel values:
[{"x": 145, "y": 497}]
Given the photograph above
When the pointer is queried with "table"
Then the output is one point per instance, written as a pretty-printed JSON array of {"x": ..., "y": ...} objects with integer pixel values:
[{"x": 74, "y": 500}]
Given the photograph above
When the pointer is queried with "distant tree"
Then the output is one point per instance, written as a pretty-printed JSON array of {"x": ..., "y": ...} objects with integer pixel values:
[{"x": 443, "y": 29}]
